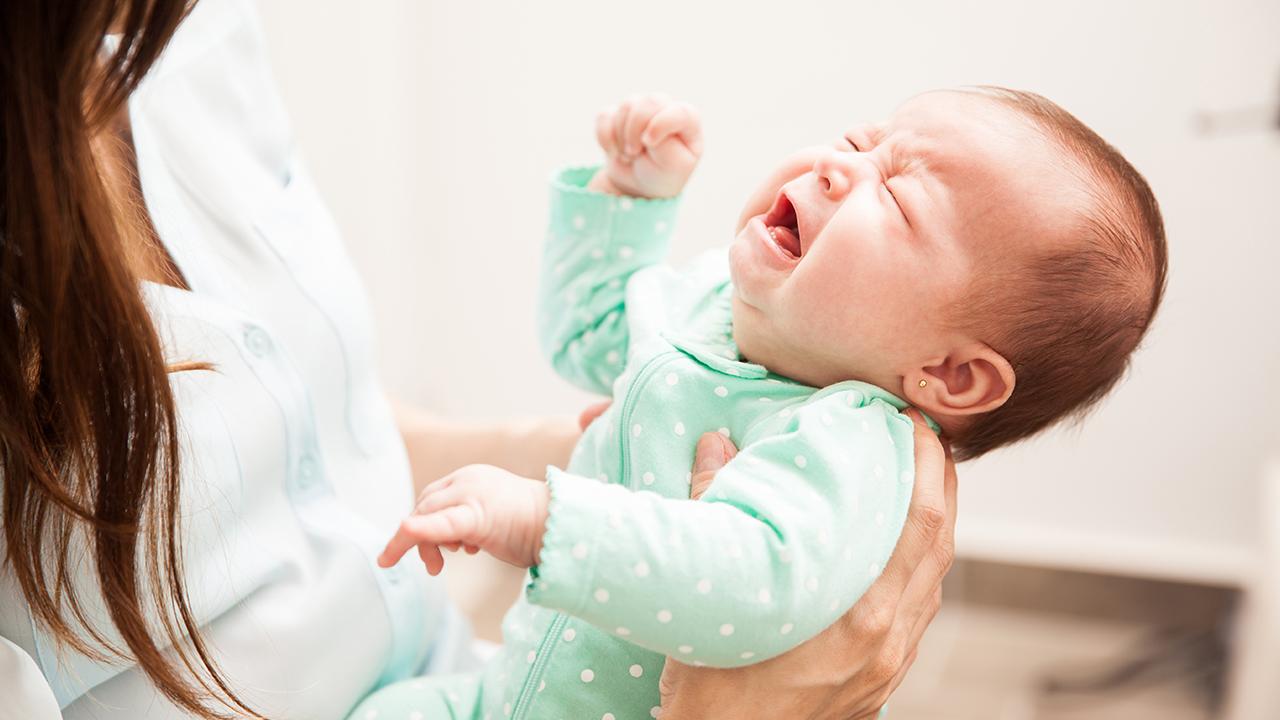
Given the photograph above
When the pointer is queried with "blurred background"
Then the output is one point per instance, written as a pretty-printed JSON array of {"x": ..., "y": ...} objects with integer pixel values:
[{"x": 1126, "y": 568}]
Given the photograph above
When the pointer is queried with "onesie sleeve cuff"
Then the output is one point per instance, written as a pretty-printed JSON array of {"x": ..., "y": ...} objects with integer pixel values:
[
  {"x": 636, "y": 229},
  {"x": 562, "y": 579}
]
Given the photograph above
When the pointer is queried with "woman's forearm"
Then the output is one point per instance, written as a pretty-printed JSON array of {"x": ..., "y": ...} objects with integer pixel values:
[{"x": 438, "y": 445}]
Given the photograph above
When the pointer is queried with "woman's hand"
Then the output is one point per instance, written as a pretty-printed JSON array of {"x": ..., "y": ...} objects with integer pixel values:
[{"x": 849, "y": 670}]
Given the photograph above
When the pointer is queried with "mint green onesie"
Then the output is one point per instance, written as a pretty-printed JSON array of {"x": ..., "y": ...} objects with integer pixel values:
[{"x": 791, "y": 533}]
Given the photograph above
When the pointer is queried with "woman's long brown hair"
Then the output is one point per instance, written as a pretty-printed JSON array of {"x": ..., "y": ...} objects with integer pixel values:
[{"x": 88, "y": 439}]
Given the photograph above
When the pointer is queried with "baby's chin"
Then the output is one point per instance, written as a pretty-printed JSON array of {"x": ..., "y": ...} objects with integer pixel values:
[{"x": 747, "y": 334}]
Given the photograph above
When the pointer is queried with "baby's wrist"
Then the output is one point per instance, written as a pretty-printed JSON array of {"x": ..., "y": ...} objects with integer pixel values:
[{"x": 601, "y": 183}]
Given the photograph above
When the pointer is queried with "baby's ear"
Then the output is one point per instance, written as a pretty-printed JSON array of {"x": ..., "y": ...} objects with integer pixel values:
[{"x": 971, "y": 380}]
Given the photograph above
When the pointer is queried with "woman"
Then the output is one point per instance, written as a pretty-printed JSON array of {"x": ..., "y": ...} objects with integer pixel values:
[{"x": 198, "y": 465}]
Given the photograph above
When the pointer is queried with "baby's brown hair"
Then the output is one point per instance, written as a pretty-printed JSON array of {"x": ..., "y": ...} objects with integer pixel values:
[{"x": 1069, "y": 320}]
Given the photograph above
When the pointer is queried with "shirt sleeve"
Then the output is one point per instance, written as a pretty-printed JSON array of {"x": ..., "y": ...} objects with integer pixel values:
[
  {"x": 595, "y": 243},
  {"x": 789, "y": 536}
]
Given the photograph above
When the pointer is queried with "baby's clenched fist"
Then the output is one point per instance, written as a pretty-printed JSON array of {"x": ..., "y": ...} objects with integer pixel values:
[{"x": 651, "y": 145}]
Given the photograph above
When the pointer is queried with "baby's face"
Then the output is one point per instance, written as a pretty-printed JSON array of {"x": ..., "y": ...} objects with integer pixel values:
[{"x": 851, "y": 258}]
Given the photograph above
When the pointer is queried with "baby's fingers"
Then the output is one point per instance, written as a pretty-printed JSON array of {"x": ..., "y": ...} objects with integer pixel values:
[
  {"x": 642, "y": 110},
  {"x": 431, "y": 489},
  {"x": 454, "y": 524},
  {"x": 675, "y": 119},
  {"x": 605, "y": 131},
  {"x": 431, "y": 557}
]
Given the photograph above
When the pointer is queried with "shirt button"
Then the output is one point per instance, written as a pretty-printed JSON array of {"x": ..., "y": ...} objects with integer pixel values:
[
  {"x": 257, "y": 340},
  {"x": 308, "y": 470},
  {"x": 395, "y": 575}
]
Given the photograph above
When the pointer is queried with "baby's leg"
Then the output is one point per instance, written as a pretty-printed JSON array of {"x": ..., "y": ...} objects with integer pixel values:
[{"x": 451, "y": 697}]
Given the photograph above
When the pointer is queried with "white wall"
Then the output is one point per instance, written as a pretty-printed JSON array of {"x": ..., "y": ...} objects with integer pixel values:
[{"x": 432, "y": 126}]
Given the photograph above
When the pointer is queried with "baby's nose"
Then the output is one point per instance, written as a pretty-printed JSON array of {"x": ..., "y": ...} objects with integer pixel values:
[{"x": 839, "y": 171}]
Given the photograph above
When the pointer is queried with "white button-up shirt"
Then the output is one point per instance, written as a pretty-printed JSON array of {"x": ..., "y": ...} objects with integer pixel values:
[{"x": 293, "y": 472}]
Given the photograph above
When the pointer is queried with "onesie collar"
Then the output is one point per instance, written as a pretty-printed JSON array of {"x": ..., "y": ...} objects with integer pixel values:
[{"x": 709, "y": 338}]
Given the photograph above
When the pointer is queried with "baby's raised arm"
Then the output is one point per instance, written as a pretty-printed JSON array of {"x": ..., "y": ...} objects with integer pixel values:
[{"x": 606, "y": 224}]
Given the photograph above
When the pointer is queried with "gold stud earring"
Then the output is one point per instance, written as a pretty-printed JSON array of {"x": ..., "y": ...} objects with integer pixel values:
[{"x": 923, "y": 383}]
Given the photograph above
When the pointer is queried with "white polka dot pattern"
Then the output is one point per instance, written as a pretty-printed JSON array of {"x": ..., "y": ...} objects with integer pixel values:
[{"x": 807, "y": 458}]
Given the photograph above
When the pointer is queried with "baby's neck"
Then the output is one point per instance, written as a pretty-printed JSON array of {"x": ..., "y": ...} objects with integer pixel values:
[{"x": 813, "y": 369}]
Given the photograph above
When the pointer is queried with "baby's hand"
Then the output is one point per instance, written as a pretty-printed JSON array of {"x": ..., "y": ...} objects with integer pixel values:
[
  {"x": 477, "y": 507},
  {"x": 651, "y": 143}
]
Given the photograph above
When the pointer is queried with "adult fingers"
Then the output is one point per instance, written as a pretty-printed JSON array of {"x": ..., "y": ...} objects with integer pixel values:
[
  {"x": 926, "y": 581},
  {"x": 923, "y": 597},
  {"x": 886, "y": 692},
  {"x": 951, "y": 484},
  {"x": 592, "y": 412},
  {"x": 677, "y": 118},
  {"x": 928, "y": 510},
  {"x": 713, "y": 452},
  {"x": 922, "y": 621},
  {"x": 926, "y": 516}
]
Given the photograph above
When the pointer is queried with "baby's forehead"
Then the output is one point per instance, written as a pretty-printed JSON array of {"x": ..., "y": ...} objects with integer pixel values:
[
  {"x": 991, "y": 170},
  {"x": 956, "y": 126}
]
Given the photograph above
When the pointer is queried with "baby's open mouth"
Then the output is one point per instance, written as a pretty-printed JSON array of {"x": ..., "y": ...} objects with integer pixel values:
[{"x": 781, "y": 223}]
